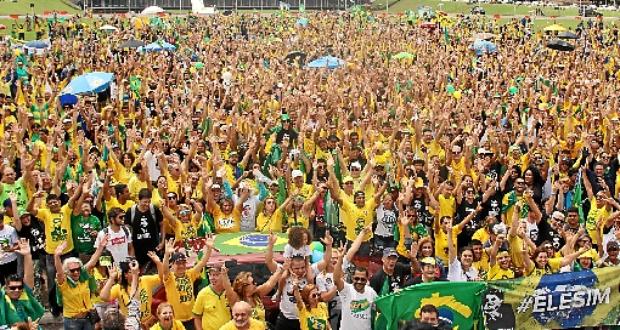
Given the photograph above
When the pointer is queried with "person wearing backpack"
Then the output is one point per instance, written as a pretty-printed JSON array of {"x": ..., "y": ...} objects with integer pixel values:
[
  {"x": 146, "y": 223},
  {"x": 119, "y": 238}
]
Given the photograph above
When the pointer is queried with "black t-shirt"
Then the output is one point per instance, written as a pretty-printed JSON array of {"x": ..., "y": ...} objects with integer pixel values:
[
  {"x": 145, "y": 228},
  {"x": 396, "y": 281},
  {"x": 35, "y": 233},
  {"x": 290, "y": 133},
  {"x": 547, "y": 233}
]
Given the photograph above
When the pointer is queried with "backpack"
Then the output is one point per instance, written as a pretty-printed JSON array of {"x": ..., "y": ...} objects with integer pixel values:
[
  {"x": 106, "y": 230},
  {"x": 132, "y": 215}
]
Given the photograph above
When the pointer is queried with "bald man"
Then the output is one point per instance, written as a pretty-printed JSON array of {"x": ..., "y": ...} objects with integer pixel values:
[{"x": 241, "y": 319}]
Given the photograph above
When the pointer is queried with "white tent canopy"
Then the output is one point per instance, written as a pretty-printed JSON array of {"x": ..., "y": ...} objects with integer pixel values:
[
  {"x": 152, "y": 10},
  {"x": 108, "y": 28}
]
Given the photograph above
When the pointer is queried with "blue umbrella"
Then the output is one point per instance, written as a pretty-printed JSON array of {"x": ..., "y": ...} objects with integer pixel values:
[
  {"x": 329, "y": 62},
  {"x": 93, "y": 82},
  {"x": 302, "y": 21},
  {"x": 483, "y": 46},
  {"x": 68, "y": 99},
  {"x": 37, "y": 44},
  {"x": 158, "y": 46}
]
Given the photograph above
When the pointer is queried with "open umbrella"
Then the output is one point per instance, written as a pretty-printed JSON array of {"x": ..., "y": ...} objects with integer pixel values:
[
  {"x": 567, "y": 35},
  {"x": 108, "y": 28},
  {"x": 329, "y": 62},
  {"x": 560, "y": 45},
  {"x": 93, "y": 82},
  {"x": 483, "y": 46},
  {"x": 133, "y": 43},
  {"x": 554, "y": 28},
  {"x": 158, "y": 46},
  {"x": 302, "y": 21},
  {"x": 296, "y": 56},
  {"x": 37, "y": 44},
  {"x": 152, "y": 10},
  {"x": 403, "y": 55}
]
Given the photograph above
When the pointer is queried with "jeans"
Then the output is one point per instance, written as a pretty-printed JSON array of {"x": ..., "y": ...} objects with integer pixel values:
[{"x": 77, "y": 324}]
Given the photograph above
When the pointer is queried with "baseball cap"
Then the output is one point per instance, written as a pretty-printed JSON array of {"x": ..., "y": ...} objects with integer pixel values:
[
  {"x": 389, "y": 252},
  {"x": 296, "y": 173},
  {"x": 347, "y": 178},
  {"x": 356, "y": 165},
  {"x": 178, "y": 256},
  {"x": 428, "y": 261},
  {"x": 419, "y": 183}
]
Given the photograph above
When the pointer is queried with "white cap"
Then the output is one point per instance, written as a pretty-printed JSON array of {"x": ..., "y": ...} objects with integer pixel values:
[
  {"x": 356, "y": 165},
  {"x": 296, "y": 173}
]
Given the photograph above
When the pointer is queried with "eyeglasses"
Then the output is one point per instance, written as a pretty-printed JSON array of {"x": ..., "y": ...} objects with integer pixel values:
[
  {"x": 75, "y": 270},
  {"x": 314, "y": 295},
  {"x": 359, "y": 279},
  {"x": 470, "y": 191},
  {"x": 172, "y": 197},
  {"x": 15, "y": 287},
  {"x": 349, "y": 182},
  {"x": 184, "y": 212}
]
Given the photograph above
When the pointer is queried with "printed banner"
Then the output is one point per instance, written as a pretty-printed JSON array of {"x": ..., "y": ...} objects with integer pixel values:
[
  {"x": 558, "y": 301},
  {"x": 458, "y": 304},
  {"x": 244, "y": 243}
]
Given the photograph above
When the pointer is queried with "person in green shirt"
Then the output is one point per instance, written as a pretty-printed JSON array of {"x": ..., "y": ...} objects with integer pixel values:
[
  {"x": 22, "y": 305},
  {"x": 84, "y": 225},
  {"x": 19, "y": 186}
]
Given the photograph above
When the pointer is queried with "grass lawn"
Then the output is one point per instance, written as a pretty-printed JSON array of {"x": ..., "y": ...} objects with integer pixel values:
[{"x": 22, "y": 7}]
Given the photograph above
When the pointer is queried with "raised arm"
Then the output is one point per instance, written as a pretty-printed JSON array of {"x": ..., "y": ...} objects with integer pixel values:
[
  {"x": 24, "y": 250},
  {"x": 60, "y": 273},
  {"x": 92, "y": 262},
  {"x": 338, "y": 274},
  {"x": 206, "y": 253},
  {"x": 269, "y": 262}
]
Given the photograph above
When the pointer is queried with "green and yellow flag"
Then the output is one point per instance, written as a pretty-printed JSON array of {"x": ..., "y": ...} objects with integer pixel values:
[{"x": 458, "y": 302}]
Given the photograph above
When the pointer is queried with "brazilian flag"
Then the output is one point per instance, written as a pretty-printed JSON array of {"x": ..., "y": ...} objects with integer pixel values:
[{"x": 458, "y": 302}]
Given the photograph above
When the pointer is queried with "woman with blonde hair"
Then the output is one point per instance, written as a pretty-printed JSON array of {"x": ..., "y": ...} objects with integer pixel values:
[
  {"x": 246, "y": 289},
  {"x": 165, "y": 317},
  {"x": 313, "y": 312}
]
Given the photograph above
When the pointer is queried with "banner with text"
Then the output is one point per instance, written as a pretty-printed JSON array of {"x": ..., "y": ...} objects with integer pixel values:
[{"x": 557, "y": 301}]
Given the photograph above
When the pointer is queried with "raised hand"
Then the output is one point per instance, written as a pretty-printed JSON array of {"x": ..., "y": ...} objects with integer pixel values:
[
  {"x": 153, "y": 256},
  {"x": 328, "y": 240},
  {"x": 60, "y": 248},
  {"x": 24, "y": 246}
]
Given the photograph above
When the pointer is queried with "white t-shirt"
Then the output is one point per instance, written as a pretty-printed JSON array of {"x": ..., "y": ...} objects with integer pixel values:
[
  {"x": 324, "y": 283},
  {"x": 385, "y": 222},
  {"x": 356, "y": 307},
  {"x": 248, "y": 214},
  {"x": 456, "y": 273},
  {"x": 118, "y": 243},
  {"x": 290, "y": 251},
  {"x": 288, "y": 308},
  {"x": 8, "y": 239}
]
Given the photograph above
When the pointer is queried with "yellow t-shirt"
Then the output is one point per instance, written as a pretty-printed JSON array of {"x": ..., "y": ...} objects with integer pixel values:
[
  {"x": 593, "y": 217},
  {"x": 176, "y": 326},
  {"x": 180, "y": 293},
  {"x": 113, "y": 202},
  {"x": 441, "y": 243},
  {"x": 447, "y": 206},
  {"x": 135, "y": 185},
  {"x": 145, "y": 292},
  {"x": 254, "y": 325},
  {"x": 516, "y": 251},
  {"x": 355, "y": 218},
  {"x": 497, "y": 273},
  {"x": 265, "y": 223},
  {"x": 553, "y": 266},
  {"x": 75, "y": 300},
  {"x": 57, "y": 228},
  {"x": 226, "y": 223},
  {"x": 314, "y": 319},
  {"x": 213, "y": 309},
  {"x": 185, "y": 230},
  {"x": 306, "y": 190}
]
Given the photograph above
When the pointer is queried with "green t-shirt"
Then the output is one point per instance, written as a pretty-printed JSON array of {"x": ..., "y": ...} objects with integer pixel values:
[
  {"x": 85, "y": 232},
  {"x": 19, "y": 188}
]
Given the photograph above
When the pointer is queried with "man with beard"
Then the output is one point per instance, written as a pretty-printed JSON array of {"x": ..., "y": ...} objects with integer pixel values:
[{"x": 357, "y": 299}]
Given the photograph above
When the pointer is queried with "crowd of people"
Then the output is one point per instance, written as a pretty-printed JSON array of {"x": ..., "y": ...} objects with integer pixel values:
[{"x": 441, "y": 165}]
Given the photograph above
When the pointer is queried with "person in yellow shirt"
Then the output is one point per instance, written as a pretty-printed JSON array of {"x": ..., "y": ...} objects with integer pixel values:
[
  {"x": 121, "y": 291},
  {"x": 179, "y": 281},
  {"x": 184, "y": 224},
  {"x": 441, "y": 233},
  {"x": 166, "y": 317},
  {"x": 226, "y": 215},
  {"x": 313, "y": 313},
  {"x": 540, "y": 263},
  {"x": 72, "y": 281},
  {"x": 241, "y": 319},
  {"x": 271, "y": 217},
  {"x": 212, "y": 308},
  {"x": 122, "y": 200}
]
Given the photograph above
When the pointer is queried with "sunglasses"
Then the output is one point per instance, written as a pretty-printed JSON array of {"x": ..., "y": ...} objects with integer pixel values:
[
  {"x": 184, "y": 212},
  {"x": 15, "y": 287},
  {"x": 75, "y": 270},
  {"x": 172, "y": 197},
  {"x": 314, "y": 295},
  {"x": 359, "y": 279}
]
